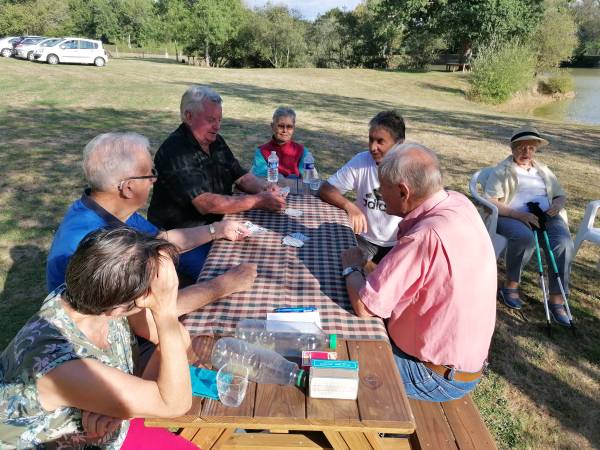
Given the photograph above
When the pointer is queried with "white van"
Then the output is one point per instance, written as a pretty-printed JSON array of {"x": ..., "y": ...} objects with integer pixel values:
[{"x": 73, "y": 50}]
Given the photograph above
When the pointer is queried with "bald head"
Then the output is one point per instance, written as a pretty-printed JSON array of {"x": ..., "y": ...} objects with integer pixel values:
[{"x": 414, "y": 165}]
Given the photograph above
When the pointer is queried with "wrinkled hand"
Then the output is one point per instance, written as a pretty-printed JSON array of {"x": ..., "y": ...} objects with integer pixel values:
[
  {"x": 163, "y": 289},
  {"x": 96, "y": 425},
  {"x": 553, "y": 211},
  {"x": 231, "y": 230},
  {"x": 353, "y": 256},
  {"x": 528, "y": 219},
  {"x": 242, "y": 276},
  {"x": 357, "y": 219},
  {"x": 271, "y": 200}
]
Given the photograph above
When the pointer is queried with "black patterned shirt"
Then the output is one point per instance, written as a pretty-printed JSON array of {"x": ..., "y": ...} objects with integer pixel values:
[{"x": 184, "y": 172}]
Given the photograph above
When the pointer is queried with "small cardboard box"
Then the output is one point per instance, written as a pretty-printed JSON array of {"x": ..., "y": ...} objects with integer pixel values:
[
  {"x": 333, "y": 379},
  {"x": 308, "y": 356}
]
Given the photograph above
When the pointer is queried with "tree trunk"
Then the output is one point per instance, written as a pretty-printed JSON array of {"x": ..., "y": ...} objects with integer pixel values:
[
  {"x": 176, "y": 52},
  {"x": 206, "y": 53},
  {"x": 287, "y": 58}
]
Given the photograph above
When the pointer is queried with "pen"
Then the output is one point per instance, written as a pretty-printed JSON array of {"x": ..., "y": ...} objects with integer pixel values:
[{"x": 296, "y": 309}]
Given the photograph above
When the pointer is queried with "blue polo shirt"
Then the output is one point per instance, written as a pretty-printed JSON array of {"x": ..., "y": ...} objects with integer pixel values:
[{"x": 83, "y": 217}]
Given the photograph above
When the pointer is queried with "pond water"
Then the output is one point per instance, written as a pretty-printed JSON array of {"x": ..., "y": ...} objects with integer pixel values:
[{"x": 584, "y": 108}]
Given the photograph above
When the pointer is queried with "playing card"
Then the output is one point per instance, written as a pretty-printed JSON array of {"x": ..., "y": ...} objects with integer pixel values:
[
  {"x": 293, "y": 212},
  {"x": 292, "y": 242},
  {"x": 285, "y": 191},
  {"x": 300, "y": 237},
  {"x": 254, "y": 229}
]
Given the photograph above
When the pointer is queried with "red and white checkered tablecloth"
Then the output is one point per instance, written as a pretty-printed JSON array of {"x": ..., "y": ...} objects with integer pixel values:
[{"x": 287, "y": 276}]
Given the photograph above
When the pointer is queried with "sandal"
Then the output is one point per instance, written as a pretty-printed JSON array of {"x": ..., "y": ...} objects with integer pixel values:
[
  {"x": 559, "y": 314},
  {"x": 510, "y": 301}
]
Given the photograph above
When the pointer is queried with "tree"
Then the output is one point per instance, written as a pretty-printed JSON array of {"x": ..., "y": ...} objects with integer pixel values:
[
  {"x": 587, "y": 17},
  {"x": 555, "y": 38}
]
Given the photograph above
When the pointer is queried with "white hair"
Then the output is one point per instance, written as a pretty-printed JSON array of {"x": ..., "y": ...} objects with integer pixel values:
[
  {"x": 415, "y": 165},
  {"x": 193, "y": 99},
  {"x": 110, "y": 157},
  {"x": 284, "y": 111}
]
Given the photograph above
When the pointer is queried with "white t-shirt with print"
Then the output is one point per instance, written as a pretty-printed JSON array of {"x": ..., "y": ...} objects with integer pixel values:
[{"x": 360, "y": 175}]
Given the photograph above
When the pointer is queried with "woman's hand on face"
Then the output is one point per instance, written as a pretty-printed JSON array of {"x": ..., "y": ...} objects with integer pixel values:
[
  {"x": 528, "y": 219},
  {"x": 96, "y": 425},
  {"x": 163, "y": 289}
]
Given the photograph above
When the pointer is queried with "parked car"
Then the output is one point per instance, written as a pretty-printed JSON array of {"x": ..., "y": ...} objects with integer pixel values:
[
  {"x": 73, "y": 50},
  {"x": 6, "y": 47},
  {"x": 22, "y": 49},
  {"x": 49, "y": 42},
  {"x": 20, "y": 39}
]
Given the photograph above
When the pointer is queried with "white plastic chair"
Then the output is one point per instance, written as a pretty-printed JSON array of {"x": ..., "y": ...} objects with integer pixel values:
[
  {"x": 586, "y": 231},
  {"x": 478, "y": 179}
]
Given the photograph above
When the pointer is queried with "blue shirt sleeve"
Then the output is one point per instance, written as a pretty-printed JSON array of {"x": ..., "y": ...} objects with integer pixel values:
[{"x": 139, "y": 223}]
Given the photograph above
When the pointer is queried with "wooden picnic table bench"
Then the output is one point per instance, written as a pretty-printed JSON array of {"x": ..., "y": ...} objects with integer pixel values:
[{"x": 454, "y": 66}]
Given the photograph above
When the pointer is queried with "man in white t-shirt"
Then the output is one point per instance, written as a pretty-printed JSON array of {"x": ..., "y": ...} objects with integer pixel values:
[{"x": 375, "y": 229}]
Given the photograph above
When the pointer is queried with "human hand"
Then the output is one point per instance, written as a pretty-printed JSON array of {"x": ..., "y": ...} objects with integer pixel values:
[
  {"x": 96, "y": 425},
  {"x": 162, "y": 298},
  {"x": 271, "y": 201},
  {"x": 353, "y": 256},
  {"x": 231, "y": 230},
  {"x": 357, "y": 219},
  {"x": 242, "y": 277},
  {"x": 527, "y": 218},
  {"x": 553, "y": 211}
]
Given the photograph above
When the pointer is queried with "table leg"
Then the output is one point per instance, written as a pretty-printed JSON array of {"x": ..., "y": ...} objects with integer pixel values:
[
  {"x": 336, "y": 440},
  {"x": 354, "y": 440},
  {"x": 209, "y": 438}
]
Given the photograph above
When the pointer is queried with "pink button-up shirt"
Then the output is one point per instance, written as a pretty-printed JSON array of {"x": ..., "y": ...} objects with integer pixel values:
[{"x": 437, "y": 285}]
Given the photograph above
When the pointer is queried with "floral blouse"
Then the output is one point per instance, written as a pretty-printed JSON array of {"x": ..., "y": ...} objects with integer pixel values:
[{"x": 49, "y": 339}]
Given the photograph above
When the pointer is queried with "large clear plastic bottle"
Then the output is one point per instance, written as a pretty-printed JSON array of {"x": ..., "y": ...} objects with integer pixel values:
[
  {"x": 264, "y": 366},
  {"x": 285, "y": 338},
  {"x": 310, "y": 173},
  {"x": 273, "y": 167}
]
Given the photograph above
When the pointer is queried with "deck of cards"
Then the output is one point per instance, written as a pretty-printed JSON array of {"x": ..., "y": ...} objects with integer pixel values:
[
  {"x": 254, "y": 229},
  {"x": 295, "y": 240},
  {"x": 293, "y": 212}
]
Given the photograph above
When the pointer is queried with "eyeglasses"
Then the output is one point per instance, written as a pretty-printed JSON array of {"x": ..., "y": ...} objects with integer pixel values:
[
  {"x": 282, "y": 126},
  {"x": 141, "y": 177}
]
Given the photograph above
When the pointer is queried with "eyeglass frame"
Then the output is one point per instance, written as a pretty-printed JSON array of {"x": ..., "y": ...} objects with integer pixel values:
[{"x": 141, "y": 177}]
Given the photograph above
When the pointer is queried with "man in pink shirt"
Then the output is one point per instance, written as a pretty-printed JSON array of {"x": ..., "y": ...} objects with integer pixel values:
[{"x": 437, "y": 286}]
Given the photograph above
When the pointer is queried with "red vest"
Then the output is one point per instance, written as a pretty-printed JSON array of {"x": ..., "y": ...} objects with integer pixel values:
[{"x": 289, "y": 155}]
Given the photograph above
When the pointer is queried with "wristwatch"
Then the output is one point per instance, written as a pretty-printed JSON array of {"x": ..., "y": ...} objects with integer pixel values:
[
  {"x": 211, "y": 229},
  {"x": 348, "y": 270}
]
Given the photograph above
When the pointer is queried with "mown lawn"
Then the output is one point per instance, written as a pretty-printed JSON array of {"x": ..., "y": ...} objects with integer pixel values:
[{"x": 540, "y": 393}]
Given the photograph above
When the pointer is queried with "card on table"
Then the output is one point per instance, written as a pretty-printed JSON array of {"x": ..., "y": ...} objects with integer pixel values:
[
  {"x": 293, "y": 212},
  {"x": 292, "y": 241}
]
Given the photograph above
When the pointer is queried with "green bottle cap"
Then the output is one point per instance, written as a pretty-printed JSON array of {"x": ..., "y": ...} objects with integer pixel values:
[
  {"x": 332, "y": 341},
  {"x": 300, "y": 379}
]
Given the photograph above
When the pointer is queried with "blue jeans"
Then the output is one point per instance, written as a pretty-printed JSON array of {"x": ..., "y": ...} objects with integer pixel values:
[
  {"x": 421, "y": 383},
  {"x": 521, "y": 245},
  {"x": 191, "y": 262}
]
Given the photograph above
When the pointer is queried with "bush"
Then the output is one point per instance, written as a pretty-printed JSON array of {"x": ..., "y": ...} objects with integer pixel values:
[
  {"x": 561, "y": 83},
  {"x": 501, "y": 71}
]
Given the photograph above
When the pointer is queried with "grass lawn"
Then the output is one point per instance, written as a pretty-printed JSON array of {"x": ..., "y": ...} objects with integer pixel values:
[{"x": 539, "y": 393}]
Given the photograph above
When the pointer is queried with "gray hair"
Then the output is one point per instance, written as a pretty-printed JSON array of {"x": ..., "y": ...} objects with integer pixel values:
[
  {"x": 284, "y": 111},
  {"x": 193, "y": 99},
  {"x": 110, "y": 157},
  {"x": 415, "y": 165}
]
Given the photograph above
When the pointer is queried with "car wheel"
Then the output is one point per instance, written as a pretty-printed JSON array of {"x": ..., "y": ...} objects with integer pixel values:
[
  {"x": 99, "y": 62},
  {"x": 6, "y": 52},
  {"x": 30, "y": 56},
  {"x": 52, "y": 59}
]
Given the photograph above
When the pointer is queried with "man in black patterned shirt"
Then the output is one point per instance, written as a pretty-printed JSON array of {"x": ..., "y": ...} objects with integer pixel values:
[{"x": 197, "y": 170}]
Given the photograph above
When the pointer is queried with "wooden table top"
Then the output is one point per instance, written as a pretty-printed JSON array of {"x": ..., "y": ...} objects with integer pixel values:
[{"x": 381, "y": 406}]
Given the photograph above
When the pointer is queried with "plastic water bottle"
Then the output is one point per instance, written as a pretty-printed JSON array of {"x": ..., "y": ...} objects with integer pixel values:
[
  {"x": 272, "y": 167},
  {"x": 309, "y": 171},
  {"x": 285, "y": 338},
  {"x": 264, "y": 366}
]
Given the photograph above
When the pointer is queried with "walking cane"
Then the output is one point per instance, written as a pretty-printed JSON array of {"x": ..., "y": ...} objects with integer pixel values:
[
  {"x": 542, "y": 281},
  {"x": 534, "y": 208}
]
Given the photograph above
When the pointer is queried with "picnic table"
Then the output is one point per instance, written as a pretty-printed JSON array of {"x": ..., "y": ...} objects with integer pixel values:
[{"x": 289, "y": 276}]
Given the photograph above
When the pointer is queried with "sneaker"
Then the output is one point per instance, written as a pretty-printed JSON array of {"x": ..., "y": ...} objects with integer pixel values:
[{"x": 510, "y": 301}]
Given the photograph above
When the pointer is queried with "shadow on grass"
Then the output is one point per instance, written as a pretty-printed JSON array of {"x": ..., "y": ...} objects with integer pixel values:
[
  {"x": 150, "y": 59},
  {"x": 442, "y": 89}
]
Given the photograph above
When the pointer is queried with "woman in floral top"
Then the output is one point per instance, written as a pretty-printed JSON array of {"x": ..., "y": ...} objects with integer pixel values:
[{"x": 67, "y": 379}]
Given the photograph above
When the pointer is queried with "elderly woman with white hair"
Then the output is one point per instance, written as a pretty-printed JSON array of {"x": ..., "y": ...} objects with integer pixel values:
[
  {"x": 516, "y": 181},
  {"x": 291, "y": 154}
]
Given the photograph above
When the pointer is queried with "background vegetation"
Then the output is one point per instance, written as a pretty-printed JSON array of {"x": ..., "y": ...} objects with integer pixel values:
[
  {"x": 540, "y": 392},
  {"x": 377, "y": 34}
]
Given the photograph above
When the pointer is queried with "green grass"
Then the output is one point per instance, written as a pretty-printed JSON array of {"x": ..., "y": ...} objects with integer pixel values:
[{"x": 541, "y": 392}]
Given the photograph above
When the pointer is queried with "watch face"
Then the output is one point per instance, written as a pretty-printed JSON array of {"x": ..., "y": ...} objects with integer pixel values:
[{"x": 347, "y": 271}]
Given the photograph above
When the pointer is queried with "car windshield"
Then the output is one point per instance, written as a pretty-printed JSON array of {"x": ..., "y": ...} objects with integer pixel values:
[{"x": 30, "y": 41}]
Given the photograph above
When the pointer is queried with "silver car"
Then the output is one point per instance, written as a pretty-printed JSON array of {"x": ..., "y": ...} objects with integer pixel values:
[
  {"x": 24, "y": 48},
  {"x": 6, "y": 45}
]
